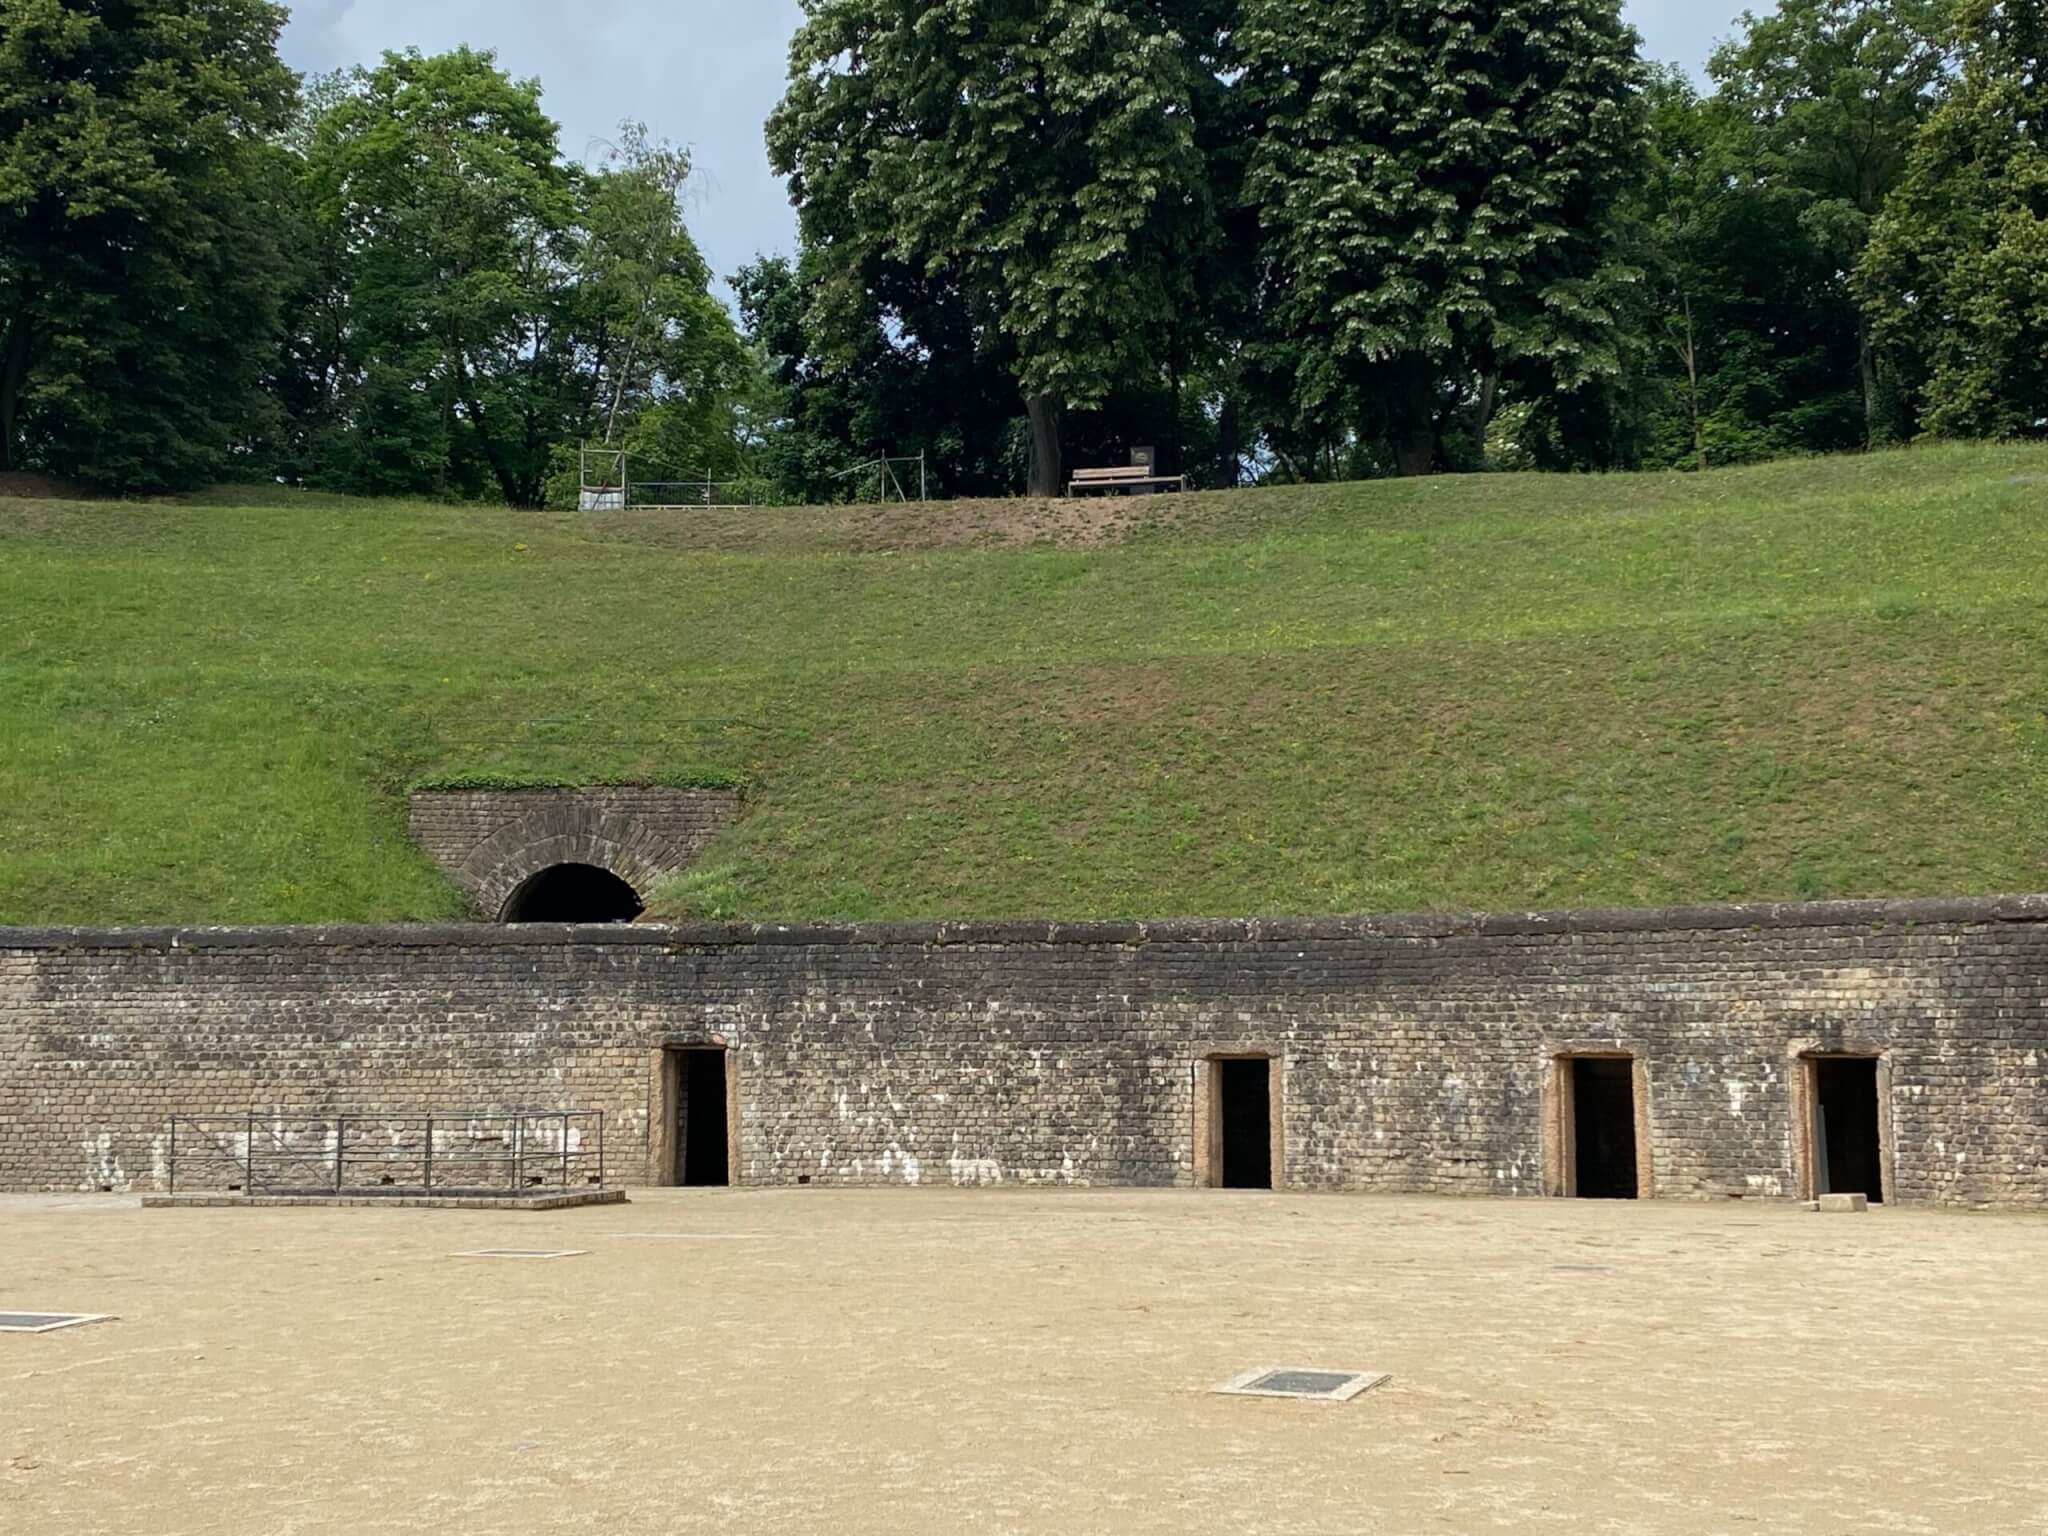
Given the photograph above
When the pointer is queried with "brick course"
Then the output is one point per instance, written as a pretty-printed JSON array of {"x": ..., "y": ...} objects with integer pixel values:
[{"x": 1415, "y": 1052}]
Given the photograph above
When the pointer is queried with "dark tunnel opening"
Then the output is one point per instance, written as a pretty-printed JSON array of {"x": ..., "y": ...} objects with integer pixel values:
[{"x": 574, "y": 893}]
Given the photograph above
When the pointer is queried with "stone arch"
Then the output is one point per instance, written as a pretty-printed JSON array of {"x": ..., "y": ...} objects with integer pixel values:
[
  {"x": 563, "y": 834},
  {"x": 492, "y": 841}
]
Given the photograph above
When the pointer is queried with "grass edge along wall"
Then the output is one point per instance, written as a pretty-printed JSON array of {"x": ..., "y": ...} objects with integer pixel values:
[{"x": 1445, "y": 1054}]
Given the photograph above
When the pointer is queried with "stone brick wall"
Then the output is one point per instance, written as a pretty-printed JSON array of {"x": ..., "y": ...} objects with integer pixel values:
[
  {"x": 1415, "y": 1054},
  {"x": 492, "y": 841}
]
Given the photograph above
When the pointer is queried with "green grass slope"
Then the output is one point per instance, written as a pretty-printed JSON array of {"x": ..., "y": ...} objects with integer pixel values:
[{"x": 1806, "y": 679}]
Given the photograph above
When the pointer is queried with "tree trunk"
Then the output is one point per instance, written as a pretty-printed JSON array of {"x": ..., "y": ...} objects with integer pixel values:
[
  {"x": 1866, "y": 363},
  {"x": 1415, "y": 435},
  {"x": 1045, "y": 470},
  {"x": 1178, "y": 447},
  {"x": 13, "y": 376},
  {"x": 611, "y": 419},
  {"x": 508, "y": 484},
  {"x": 1227, "y": 433},
  {"x": 1489, "y": 404},
  {"x": 1692, "y": 379}
]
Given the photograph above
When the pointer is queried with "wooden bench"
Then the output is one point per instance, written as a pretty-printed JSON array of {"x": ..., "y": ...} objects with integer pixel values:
[{"x": 1104, "y": 482}]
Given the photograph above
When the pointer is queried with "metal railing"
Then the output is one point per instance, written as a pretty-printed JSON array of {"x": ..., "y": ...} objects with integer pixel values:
[
  {"x": 703, "y": 495},
  {"x": 889, "y": 485},
  {"x": 277, "y": 1152}
]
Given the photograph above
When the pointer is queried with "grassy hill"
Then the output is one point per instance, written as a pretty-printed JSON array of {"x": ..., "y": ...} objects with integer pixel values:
[{"x": 1806, "y": 679}]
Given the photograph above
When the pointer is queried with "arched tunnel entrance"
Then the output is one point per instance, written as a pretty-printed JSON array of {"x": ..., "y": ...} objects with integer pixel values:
[{"x": 574, "y": 893}]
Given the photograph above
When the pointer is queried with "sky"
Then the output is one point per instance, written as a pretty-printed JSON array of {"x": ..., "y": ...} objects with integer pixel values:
[{"x": 706, "y": 73}]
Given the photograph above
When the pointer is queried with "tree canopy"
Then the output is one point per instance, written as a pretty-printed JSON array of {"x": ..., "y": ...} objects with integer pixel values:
[
  {"x": 1041, "y": 161},
  {"x": 1437, "y": 184},
  {"x": 1957, "y": 273},
  {"x": 141, "y": 267},
  {"x": 1272, "y": 239}
]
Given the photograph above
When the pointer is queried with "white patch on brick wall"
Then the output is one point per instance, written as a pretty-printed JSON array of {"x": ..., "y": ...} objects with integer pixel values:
[
  {"x": 913, "y": 1170},
  {"x": 1765, "y": 1183},
  {"x": 159, "y": 1162},
  {"x": 1737, "y": 1092},
  {"x": 978, "y": 1171},
  {"x": 102, "y": 1168}
]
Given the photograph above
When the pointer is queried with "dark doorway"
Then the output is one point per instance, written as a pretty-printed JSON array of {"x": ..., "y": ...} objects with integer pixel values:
[
  {"x": 702, "y": 1129},
  {"x": 1848, "y": 1148},
  {"x": 1604, "y": 1127},
  {"x": 1244, "y": 1100},
  {"x": 574, "y": 893}
]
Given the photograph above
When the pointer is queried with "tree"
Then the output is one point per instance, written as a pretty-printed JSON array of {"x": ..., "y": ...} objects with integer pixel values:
[
  {"x": 1437, "y": 182},
  {"x": 478, "y": 308},
  {"x": 1755, "y": 343},
  {"x": 1040, "y": 162},
  {"x": 440, "y": 179},
  {"x": 1823, "y": 99},
  {"x": 640, "y": 270},
  {"x": 141, "y": 264},
  {"x": 902, "y": 374},
  {"x": 659, "y": 366},
  {"x": 1957, "y": 270}
]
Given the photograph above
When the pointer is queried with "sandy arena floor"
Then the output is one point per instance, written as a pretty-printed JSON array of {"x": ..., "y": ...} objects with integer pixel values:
[{"x": 933, "y": 1361}]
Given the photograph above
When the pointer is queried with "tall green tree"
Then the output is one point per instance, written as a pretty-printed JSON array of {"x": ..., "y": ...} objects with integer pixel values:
[
  {"x": 659, "y": 365},
  {"x": 142, "y": 267},
  {"x": 440, "y": 180},
  {"x": 1958, "y": 268},
  {"x": 639, "y": 278},
  {"x": 1821, "y": 101},
  {"x": 1754, "y": 342},
  {"x": 1437, "y": 181},
  {"x": 1039, "y": 160},
  {"x": 903, "y": 374}
]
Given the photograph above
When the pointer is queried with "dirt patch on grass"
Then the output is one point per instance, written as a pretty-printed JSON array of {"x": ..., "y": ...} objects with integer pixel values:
[
  {"x": 1132, "y": 695},
  {"x": 1021, "y": 522}
]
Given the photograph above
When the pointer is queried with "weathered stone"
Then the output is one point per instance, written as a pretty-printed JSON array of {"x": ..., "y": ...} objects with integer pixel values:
[{"x": 1412, "y": 1053}]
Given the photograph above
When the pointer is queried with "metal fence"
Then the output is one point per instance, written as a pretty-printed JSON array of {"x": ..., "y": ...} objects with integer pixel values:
[
  {"x": 279, "y": 1153},
  {"x": 704, "y": 495}
]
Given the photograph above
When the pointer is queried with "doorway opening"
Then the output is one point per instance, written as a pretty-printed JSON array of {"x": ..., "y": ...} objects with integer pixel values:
[
  {"x": 1244, "y": 1104},
  {"x": 1848, "y": 1140},
  {"x": 1601, "y": 1130},
  {"x": 574, "y": 893},
  {"x": 703, "y": 1139}
]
